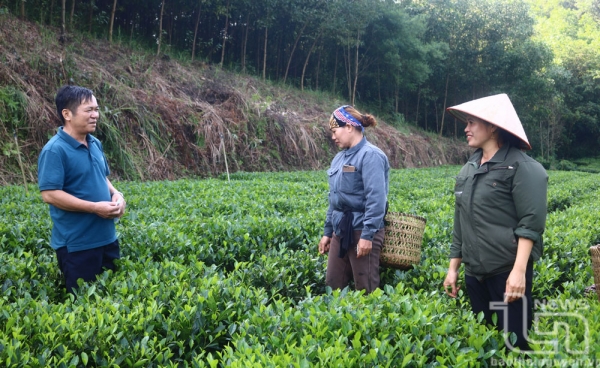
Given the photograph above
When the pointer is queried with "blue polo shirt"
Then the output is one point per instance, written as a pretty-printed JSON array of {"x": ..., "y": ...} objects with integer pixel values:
[{"x": 65, "y": 164}]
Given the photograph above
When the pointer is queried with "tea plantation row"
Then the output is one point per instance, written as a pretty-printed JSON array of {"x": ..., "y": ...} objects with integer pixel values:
[{"x": 217, "y": 273}]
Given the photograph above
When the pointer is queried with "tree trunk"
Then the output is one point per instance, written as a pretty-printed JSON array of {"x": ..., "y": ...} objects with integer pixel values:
[
  {"x": 355, "y": 69},
  {"x": 225, "y": 34},
  {"x": 51, "y": 12},
  {"x": 546, "y": 140},
  {"x": 279, "y": 57},
  {"x": 71, "y": 16},
  {"x": 162, "y": 11},
  {"x": 171, "y": 21},
  {"x": 335, "y": 70},
  {"x": 112, "y": 21},
  {"x": 548, "y": 146},
  {"x": 196, "y": 29},
  {"x": 348, "y": 71},
  {"x": 257, "y": 53},
  {"x": 541, "y": 139},
  {"x": 444, "y": 109},
  {"x": 437, "y": 124},
  {"x": 292, "y": 52},
  {"x": 455, "y": 128},
  {"x": 318, "y": 66},
  {"x": 425, "y": 112},
  {"x": 245, "y": 43},
  {"x": 264, "y": 72},
  {"x": 418, "y": 101},
  {"x": 22, "y": 9},
  {"x": 312, "y": 47},
  {"x": 131, "y": 33},
  {"x": 91, "y": 19},
  {"x": 396, "y": 96},
  {"x": 63, "y": 18},
  {"x": 379, "y": 85}
]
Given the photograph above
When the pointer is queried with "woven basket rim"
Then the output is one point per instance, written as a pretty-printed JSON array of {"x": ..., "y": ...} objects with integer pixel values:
[{"x": 395, "y": 213}]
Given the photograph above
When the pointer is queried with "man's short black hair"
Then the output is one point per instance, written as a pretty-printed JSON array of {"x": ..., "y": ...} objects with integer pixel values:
[{"x": 70, "y": 97}]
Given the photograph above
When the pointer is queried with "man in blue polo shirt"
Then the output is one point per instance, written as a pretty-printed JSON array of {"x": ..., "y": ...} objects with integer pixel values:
[{"x": 72, "y": 177}]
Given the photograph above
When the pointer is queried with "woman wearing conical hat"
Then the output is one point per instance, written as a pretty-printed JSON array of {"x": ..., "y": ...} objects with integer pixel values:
[{"x": 499, "y": 218}]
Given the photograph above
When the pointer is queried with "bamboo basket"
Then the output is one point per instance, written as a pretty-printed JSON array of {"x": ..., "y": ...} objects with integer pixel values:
[
  {"x": 403, "y": 239},
  {"x": 595, "y": 253}
]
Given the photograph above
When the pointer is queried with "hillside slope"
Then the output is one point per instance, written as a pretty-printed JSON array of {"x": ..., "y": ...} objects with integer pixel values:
[{"x": 163, "y": 118}]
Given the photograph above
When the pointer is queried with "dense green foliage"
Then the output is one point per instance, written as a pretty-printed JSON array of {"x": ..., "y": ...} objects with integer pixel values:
[
  {"x": 217, "y": 273},
  {"x": 409, "y": 59},
  {"x": 162, "y": 118}
]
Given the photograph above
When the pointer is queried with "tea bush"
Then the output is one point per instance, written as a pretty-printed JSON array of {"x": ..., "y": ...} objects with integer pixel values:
[{"x": 216, "y": 273}]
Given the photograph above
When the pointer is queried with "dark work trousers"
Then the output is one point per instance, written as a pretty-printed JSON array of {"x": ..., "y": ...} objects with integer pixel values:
[
  {"x": 492, "y": 289},
  {"x": 86, "y": 264},
  {"x": 364, "y": 270}
]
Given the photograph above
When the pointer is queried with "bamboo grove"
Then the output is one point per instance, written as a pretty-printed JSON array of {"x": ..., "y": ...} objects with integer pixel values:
[{"x": 406, "y": 58}]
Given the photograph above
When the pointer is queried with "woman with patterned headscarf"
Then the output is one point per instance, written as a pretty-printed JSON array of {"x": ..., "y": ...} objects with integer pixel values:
[{"x": 358, "y": 189}]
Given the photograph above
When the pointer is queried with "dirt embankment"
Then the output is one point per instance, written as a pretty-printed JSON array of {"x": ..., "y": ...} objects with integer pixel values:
[{"x": 164, "y": 118}]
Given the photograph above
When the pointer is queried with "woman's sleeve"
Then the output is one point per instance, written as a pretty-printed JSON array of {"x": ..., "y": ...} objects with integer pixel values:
[
  {"x": 328, "y": 231},
  {"x": 530, "y": 195},
  {"x": 374, "y": 168},
  {"x": 456, "y": 247}
]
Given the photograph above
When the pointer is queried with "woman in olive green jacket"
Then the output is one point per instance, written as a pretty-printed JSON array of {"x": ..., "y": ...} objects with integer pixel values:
[{"x": 500, "y": 216}]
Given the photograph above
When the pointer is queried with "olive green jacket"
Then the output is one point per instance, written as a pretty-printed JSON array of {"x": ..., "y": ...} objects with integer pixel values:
[{"x": 496, "y": 203}]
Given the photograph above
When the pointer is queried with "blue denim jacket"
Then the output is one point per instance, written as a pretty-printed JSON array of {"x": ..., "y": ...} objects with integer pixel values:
[{"x": 361, "y": 187}]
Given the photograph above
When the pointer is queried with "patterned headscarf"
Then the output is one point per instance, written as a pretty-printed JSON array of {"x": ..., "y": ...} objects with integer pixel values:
[{"x": 341, "y": 117}]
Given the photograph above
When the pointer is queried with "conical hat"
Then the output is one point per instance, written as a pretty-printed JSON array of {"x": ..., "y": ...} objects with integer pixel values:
[{"x": 497, "y": 110}]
